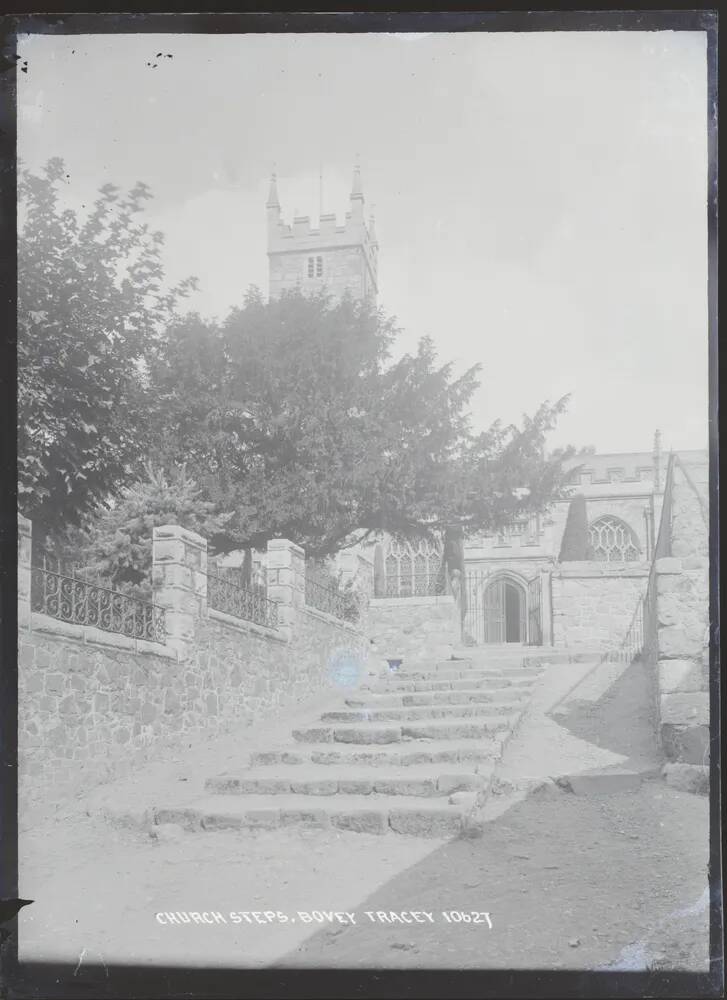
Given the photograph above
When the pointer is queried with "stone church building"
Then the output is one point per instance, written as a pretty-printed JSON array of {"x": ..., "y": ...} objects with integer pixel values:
[
  {"x": 515, "y": 589},
  {"x": 108, "y": 682}
]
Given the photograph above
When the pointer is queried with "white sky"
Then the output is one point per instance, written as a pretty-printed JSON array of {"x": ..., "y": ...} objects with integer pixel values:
[{"x": 540, "y": 197}]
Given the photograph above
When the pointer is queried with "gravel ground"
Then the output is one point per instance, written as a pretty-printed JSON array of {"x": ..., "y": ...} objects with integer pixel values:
[{"x": 570, "y": 882}]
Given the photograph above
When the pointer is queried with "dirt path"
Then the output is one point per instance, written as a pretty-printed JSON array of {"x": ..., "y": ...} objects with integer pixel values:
[
  {"x": 570, "y": 882},
  {"x": 622, "y": 719},
  {"x": 613, "y": 873},
  {"x": 97, "y": 891}
]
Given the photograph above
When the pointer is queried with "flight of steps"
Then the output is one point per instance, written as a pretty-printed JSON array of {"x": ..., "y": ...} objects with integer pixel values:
[{"x": 409, "y": 752}]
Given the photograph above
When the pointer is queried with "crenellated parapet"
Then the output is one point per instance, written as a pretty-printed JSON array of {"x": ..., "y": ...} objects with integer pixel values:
[{"x": 331, "y": 256}]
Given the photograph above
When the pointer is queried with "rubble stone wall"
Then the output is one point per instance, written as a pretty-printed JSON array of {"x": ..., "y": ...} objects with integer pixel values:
[
  {"x": 409, "y": 627},
  {"x": 594, "y": 603},
  {"x": 682, "y": 608},
  {"x": 93, "y": 705}
]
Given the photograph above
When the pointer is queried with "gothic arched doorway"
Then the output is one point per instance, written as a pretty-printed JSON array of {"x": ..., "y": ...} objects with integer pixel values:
[{"x": 505, "y": 601}]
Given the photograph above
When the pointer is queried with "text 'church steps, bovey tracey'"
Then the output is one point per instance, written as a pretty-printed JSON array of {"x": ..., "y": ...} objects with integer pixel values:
[{"x": 411, "y": 752}]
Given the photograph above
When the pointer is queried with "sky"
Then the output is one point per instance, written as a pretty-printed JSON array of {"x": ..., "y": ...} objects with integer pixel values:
[{"x": 540, "y": 197}]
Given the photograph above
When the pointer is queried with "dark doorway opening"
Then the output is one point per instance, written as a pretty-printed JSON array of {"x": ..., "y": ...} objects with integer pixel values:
[
  {"x": 513, "y": 613},
  {"x": 498, "y": 608}
]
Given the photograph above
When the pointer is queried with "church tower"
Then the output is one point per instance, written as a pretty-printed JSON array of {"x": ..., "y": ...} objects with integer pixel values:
[{"x": 331, "y": 257}]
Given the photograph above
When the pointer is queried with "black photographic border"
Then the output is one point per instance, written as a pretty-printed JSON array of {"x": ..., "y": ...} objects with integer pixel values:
[{"x": 58, "y": 980}]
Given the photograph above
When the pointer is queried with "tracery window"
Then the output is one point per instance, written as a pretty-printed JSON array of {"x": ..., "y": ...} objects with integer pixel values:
[
  {"x": 413, "y": 568},
  {"x": 612, "y": 540}
]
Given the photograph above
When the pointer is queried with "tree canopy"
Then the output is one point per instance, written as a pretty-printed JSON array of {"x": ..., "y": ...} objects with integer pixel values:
[
  {"x": 575, "y": 544},
  {"x": 293, "y": 416},
  {"x": 117, "y": 544},
  {"x": 90, "y": 302}
]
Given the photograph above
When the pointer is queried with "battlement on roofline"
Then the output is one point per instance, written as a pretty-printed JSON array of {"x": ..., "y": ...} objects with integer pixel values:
[
  {"x": 301, "y": 235},
  {"x": 329, "y": 257}
]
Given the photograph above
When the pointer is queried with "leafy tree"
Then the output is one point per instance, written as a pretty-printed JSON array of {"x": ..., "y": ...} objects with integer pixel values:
[
  {"x": 293, "y": 416},
  {"x": 90, "y": 304},
  {"x": 116, "y": 543}
]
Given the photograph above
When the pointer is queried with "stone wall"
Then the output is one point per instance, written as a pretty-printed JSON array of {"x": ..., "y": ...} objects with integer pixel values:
[
  {"x": 93, "y": 705},
  {"x": 409, "y": 627},
  {"x": 343, "y": 268},
  {"x": 682, "y": 613},
  {"x": 593, "y": 603}
]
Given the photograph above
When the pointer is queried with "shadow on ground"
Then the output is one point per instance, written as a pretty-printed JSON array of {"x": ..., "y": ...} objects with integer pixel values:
[
  {"x": 623, "y": 720},
  {"x": 569, "y": 882}
]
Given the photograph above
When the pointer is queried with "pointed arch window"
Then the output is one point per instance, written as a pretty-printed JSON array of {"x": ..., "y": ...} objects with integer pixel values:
[
  {"x": 612, "y": 540},
  {"x": 413, "y": 568}
]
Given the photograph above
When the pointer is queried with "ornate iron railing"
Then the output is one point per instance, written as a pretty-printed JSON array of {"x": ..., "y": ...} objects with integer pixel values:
[
  {"x": 632, "y": 644},
  {"x": 250, "y": 603},
  {"x": 72, "y": 599},
  {"x": 323, "y": 592}
]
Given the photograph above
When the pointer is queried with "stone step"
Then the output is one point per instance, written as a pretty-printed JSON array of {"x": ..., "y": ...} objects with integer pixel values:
[
  {"x": 411, "y": 754},
  {"x": 451, "y": 667},
  {"x": 420, "y": 781},
  {"x": 397, "y": 813},
  {"x": 394, "y": 685},
  {"x": 415, "y": 714},
  {"x": 455, "y": 674},
  {"x": 366, "y": 732},
  {"x": 460, "y": 728},
  {"x": 430, "y": 663},
  {"x": 465, "y": 697}
]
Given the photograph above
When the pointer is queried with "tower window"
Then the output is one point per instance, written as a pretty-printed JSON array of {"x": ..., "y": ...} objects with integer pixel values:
[{"x": 315, "y": 267}]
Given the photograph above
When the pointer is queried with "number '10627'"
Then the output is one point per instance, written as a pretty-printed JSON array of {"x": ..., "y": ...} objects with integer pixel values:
[{"x": 465, "y": 917}]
